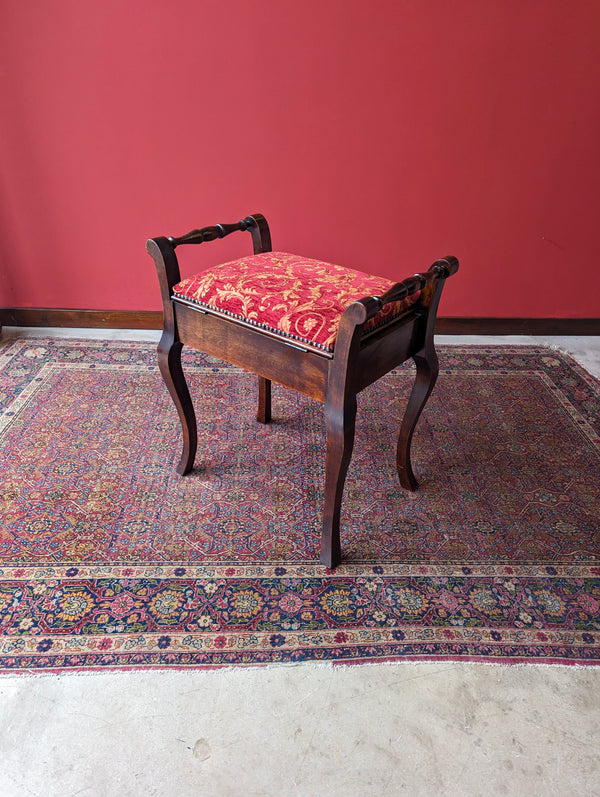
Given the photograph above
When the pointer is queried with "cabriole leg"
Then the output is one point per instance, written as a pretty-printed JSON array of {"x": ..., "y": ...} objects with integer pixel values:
[
  {"x": 169, "y": 362},
  {"x": 425, "y": 379},
  {"x": 341, "y": 423}
]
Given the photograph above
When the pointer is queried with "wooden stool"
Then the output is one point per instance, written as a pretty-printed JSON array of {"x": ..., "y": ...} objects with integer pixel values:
[{"x": 323, "y": 330}]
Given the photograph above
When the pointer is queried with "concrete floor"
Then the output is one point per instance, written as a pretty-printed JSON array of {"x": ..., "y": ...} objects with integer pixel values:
[{"x": 312, "y": 729}]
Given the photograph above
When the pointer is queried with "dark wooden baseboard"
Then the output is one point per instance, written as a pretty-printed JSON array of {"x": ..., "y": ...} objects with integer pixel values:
[
  {"x": 100, "y": 319},
  {"x": 517, "y": 326},
  {"x": 150, "y": 319}
]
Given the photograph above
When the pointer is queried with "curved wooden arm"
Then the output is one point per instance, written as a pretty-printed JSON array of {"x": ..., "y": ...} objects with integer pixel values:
[
  {"x": 208, "y": 233},
  {"x": 162, "y": 251},
  {"x": 441, "y": 269},
  {"x": 256, "y": 224}
]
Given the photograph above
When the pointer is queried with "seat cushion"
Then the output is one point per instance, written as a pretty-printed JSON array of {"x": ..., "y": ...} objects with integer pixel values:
[{"x": 289, "y": 295}]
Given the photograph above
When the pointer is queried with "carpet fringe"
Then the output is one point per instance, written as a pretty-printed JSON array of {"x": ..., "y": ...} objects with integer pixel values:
[{"x": 332, "y": 667}]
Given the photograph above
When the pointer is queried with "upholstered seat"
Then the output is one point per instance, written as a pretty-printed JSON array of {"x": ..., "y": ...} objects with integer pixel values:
[
  {"x": 323, "y": 330},
  {"x": 288, "y": 295}
]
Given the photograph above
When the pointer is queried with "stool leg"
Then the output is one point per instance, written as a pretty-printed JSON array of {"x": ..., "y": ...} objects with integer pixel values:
[
  {"x": 341, "y": 423},
  {"x": 264, "y": 400},
  {"x": 169, "y": 362},
  {"x": 425, "y": 379}
]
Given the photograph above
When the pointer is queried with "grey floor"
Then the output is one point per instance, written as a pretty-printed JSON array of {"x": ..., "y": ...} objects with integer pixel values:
[{"x": 312, "y": 729}]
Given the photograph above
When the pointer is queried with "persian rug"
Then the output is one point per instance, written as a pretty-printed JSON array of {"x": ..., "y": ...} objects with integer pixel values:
[{"x": 109, "y": 559}]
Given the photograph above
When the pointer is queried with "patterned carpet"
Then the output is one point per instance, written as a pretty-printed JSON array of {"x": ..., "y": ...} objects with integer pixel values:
[{"x": 109, "y": 559}]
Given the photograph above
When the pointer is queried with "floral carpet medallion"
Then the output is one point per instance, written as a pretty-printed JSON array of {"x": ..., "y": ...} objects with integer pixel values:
[{"x": 109, "y": 559}]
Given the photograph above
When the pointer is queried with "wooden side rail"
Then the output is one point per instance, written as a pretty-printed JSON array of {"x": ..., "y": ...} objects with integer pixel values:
[
  {"x": 256, "y": 224},
  {"x": 441, "y": 269},
  {"x": 210, "y": 233},
  {"x": 162, "y": 250}
]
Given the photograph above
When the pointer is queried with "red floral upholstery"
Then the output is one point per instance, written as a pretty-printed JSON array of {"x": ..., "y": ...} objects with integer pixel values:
[{"x": 289, "y": 295}]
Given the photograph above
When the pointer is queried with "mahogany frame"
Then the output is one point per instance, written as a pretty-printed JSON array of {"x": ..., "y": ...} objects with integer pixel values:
[{"x": 332, "y": 378}]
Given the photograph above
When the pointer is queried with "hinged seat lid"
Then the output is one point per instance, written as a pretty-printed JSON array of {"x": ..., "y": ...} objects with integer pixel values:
[{"x": 289, "y": 295}]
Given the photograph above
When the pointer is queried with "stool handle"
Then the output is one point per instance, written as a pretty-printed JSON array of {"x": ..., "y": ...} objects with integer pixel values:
[
  {"x": 162, "y": 251},
  {"x": 441, "y": 269},
  {"x": 209, "y": 233},
  {"x": 256, "y": 224}
]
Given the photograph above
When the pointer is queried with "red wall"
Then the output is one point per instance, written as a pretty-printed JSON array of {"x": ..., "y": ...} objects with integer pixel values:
[{"x": 380, "y": 134}]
